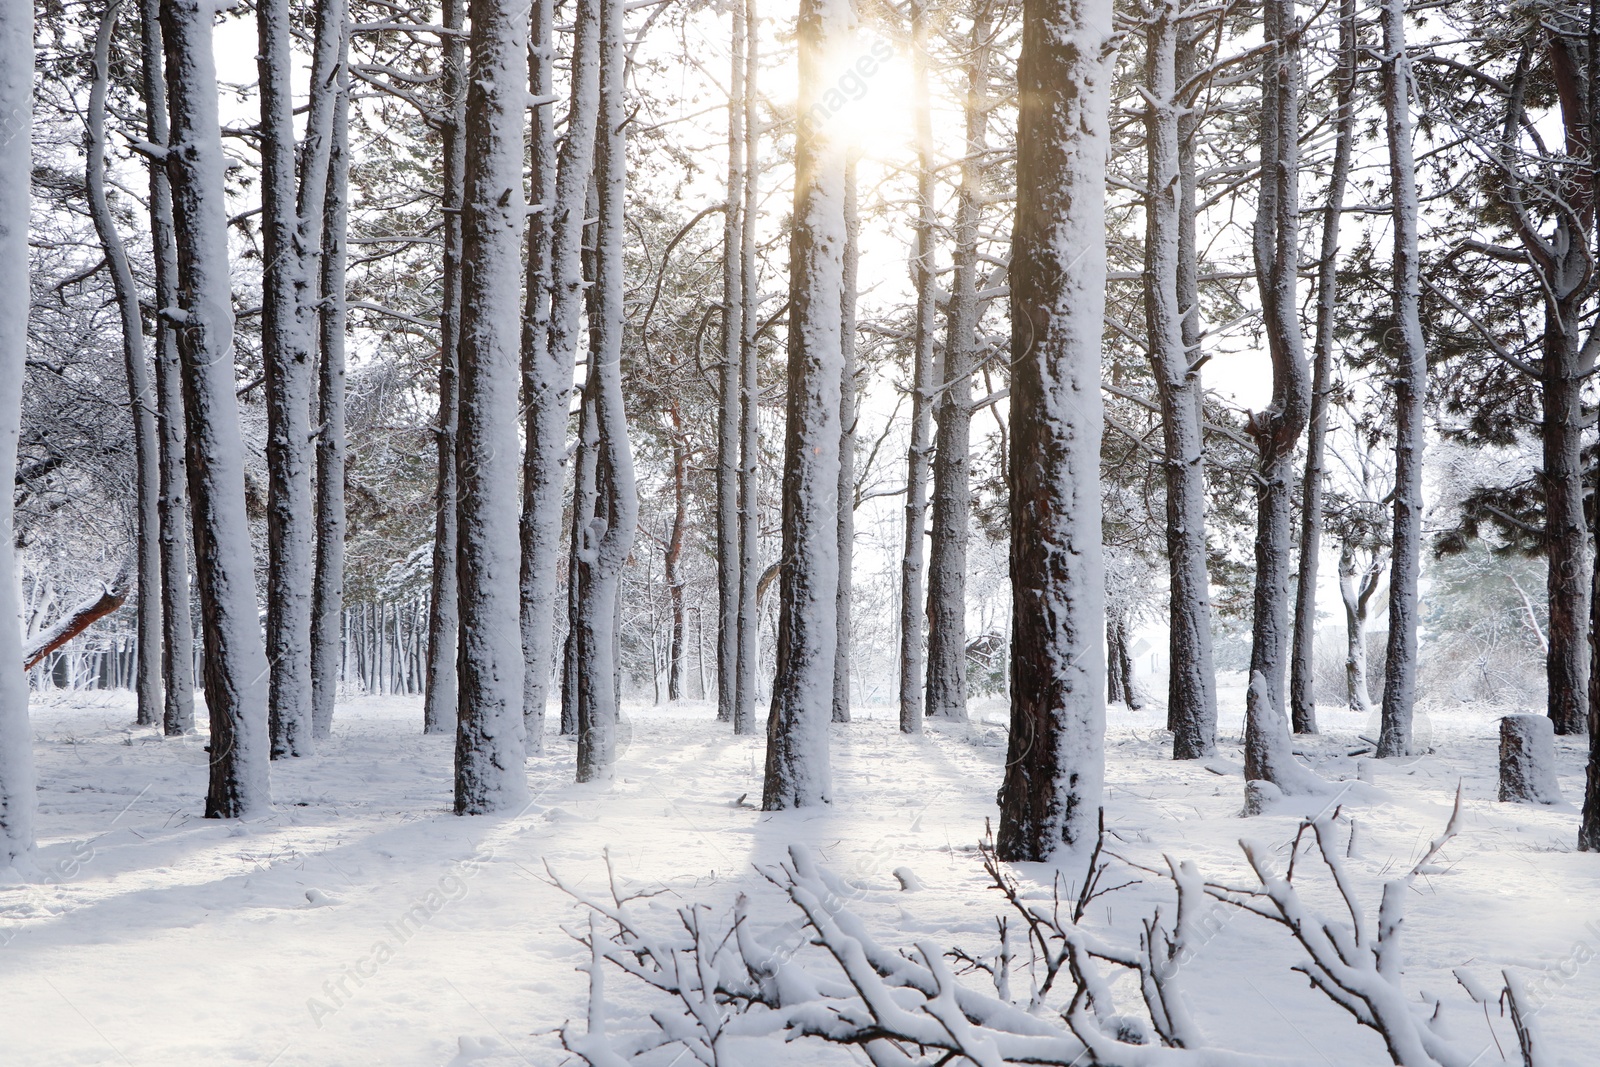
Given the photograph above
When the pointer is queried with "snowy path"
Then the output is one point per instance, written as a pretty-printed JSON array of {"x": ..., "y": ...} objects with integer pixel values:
[{"x": 361, "y": 923}]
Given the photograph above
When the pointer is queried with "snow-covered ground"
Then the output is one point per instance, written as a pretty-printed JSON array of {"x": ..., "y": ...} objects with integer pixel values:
[{"x": 362, "y": 923}]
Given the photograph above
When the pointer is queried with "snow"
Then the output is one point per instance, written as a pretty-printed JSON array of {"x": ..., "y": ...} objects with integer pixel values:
[{"x": 360, "y": 922}]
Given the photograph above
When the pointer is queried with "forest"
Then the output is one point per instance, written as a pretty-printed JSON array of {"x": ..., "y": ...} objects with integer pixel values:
[{"x": 893, "y": 532}]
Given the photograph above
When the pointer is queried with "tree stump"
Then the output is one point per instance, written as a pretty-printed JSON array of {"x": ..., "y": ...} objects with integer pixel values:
[{"x": 1528, "y": 760}]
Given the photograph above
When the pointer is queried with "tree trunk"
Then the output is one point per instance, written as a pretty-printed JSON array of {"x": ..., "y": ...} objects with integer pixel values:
[
  {"x": 1115, "y": 693},
  {"x": 141, "y": 397},
  {"x": 673, "y": 563},
  {"x": 744, "y": 704},
  {"x": 1302, "y": 680},
  {"x": 328, "y": 593},
  {"x": 585, "y": 492},
  {"x": 729, "y": 564},
  {"x": 1356, "y": 599},
  {"x": 1191, "y": 689},
  {"x": 847, "y": 446},
  {"x": 1055, "y": 761},
  {"x": 1411, "y": 392},
  {"x": 923, "y": 386},
  {"x": 177, "y": 654},
  {"x": 292, "y": 219},
  {"x": 490, "y": 743},
  {"x": 554, "y": 300},
  {"x": 235, "y": 660},
  {"x": 1566, "y": 533},
  {"x": 952, "y": 498},
  {"x": 1276, "y": 429},
  {"x": 608, "y": 535},
  {"x": 440, "y": 700},
  {"x": 797, "y": 772}
]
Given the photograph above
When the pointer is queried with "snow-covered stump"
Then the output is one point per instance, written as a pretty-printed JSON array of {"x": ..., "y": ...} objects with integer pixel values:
[{"x": 1528, "y": 760}]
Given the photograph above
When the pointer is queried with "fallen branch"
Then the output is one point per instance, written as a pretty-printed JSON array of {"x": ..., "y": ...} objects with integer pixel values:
[{"x": 111, "y": 597}]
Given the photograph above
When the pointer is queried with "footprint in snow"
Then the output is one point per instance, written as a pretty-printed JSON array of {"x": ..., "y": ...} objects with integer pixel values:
[{"x": 319, "y": 899}]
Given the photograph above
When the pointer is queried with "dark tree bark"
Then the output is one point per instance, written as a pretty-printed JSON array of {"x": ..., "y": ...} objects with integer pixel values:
[
  {"x": 177, "y": 653},
  {"x": 554, "y": 301},
  {"x": 1055, "y": 760},
  {"x": 729, "y": 561},
  {"x": 952, "y": 497},
  {"x": 608, "y": 535},
  {"x": 673, "y": 561},
  {"x": 235, "y": 659},
  {"x": 1278, "y": 428},
  {"x": 439, "y": 702},
  {"x": 1302, "y": 684},
  {"x": 141, "y": 396},
  {"x": 923, "y": 385},
  {"x": 847, "y": 445},
  {"x": 490, "y": 743},
  {"x": 1411, "y": 392},
  {"x": 744, "y": 705},
  {"x": 327, "y": 604},
  {"x": 1191, "y": 691},
  {"x": 797, "y": 773}
]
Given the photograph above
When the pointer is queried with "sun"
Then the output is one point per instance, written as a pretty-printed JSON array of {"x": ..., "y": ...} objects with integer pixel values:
[{"x": 864, "y": 102}]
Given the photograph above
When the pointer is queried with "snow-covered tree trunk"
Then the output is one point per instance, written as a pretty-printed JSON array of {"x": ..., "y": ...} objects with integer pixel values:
[
  {"x": 672, "y": 560},
  {"x": 1302, "y": 682},
  {"x": 1589, "y": 822},
  {"x": 1055, "y": 761},
  {"x": 327, "y": 602},
  {"x": 797, "y": 773},
  {"x": 1356, "y": 597},
  {"x": 440, "y": 701},
  {"x": 744, "y": 703},
  {"x": 923, "y": 385},
  {"x": 490, "y": 745},
  {"x": 952, "y": 496},
  {"x": 547, "y": 388},
  {"x": 847, "y": 445},
  {"x": 141, "y": 394},
  {"x": 288, "y": 296},
  {"x": 585, "y": 491},
  {"x": 1191, "y": 688},
  {"x": 177, "y": 664},
  {"x": 1411, "y": 393},
  {"x": 608, "y": 535},
  {"x": 235, "y": 659},
  {"x": 1277, "y": 429},
  {"x": 728, "y": 560},
  {"x": 17, "y": 791}
]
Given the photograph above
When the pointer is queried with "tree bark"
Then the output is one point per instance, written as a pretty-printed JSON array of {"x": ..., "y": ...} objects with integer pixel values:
[
  {"x": 554, "y": 284},
  {"x": 1411, "y": 392},
  {"x": 744, "y": 705},
  {"x": 1191, "y": 688},
  {"x": 1278, "y": 428},
  {"x": 923, "y": 385},
  {"x": 608, "y": 536},
  {"x": 177, "y": 653},
  {"x": 952, "y": 497},
  {"x": 292, "y": 195},
  {"x": 440, "y": 702},
  {"x": 673, "y": 561},
  {"x": 490, "y": 743},
  {"x": 18, "y": 791},
  {"x": 141, "y": 396},
  {"x": 1302, "y": 681},
  {"x": 1356, "y": 598},
  {"x": 235, "y": 660},
  {"x": 797, "y": 773},
  {"x": 327, "y": 605},
  {"x": 847, "y": 445},
  {"x": 1055, "y": 762},
  {"x": 730, "y": 397}
]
